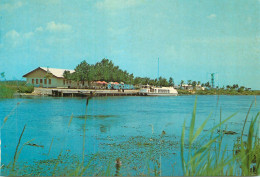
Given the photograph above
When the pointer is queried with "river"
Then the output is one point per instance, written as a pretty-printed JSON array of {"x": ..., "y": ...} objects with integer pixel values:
[{"x": 129, "y": 128}]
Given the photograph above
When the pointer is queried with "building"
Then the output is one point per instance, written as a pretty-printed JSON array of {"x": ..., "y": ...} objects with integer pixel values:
[{"x": 48, "y": 77}]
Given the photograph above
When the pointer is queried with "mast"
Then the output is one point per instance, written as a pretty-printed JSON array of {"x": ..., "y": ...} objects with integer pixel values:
[{"x": 158, "y": 70}]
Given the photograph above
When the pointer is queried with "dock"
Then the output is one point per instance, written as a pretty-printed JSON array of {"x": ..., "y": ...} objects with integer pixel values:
[{"x": 85, "y": 92}]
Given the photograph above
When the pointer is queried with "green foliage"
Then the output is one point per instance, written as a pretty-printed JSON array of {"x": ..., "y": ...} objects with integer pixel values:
[
  {"x": 203, "y": 161},
  {"x": 25, "y": 89},
  {"x": 6, "y": 91},
  {"x": 208, "y": 160},
  {"x": 8, "y": 88},
  {"x": 107, "y": 71},
  {"x": 247, "y": 152},
  {"x": 2, "y": 75},
  {"x": 171, "y": 81}
]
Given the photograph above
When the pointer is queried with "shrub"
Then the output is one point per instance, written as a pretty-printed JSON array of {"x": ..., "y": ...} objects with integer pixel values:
[{"x": 25, "y": 89}]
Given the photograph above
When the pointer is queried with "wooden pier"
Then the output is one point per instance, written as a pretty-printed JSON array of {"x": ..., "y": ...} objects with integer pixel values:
[{"x": 83, "y": 93}]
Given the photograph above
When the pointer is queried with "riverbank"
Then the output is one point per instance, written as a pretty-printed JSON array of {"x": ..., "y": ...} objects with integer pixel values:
[
  {"x": 7, "y": 91},
  {"x": 218, "y": 92},
  {"x": 84, "y": 92}
]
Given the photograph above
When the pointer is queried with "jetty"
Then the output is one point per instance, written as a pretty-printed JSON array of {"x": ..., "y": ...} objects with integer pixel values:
[{"x": 55, "y": 92}]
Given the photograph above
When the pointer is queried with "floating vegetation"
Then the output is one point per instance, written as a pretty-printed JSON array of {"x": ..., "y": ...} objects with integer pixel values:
[{"x": 94, "y": 116}]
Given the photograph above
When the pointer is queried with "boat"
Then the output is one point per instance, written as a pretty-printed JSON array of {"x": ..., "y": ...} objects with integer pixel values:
[{"x": 158, "y": 91}]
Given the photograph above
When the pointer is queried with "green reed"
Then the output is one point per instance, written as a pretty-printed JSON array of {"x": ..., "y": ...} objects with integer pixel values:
[{"x": 208, "y": 161}]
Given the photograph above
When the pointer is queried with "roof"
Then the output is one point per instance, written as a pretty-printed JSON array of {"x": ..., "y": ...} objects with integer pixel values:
[
  {"x": 54, "y": 71},
  {"x": 101, "y": 82}
]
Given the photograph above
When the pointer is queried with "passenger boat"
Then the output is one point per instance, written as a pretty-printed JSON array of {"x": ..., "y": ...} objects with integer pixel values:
[{"x": 158, "y": 91}]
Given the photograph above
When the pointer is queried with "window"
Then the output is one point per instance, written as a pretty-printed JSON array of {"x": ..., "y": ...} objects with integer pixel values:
[
  {"x": 32, "y": 81},
  {"x": 63, "y": 82},
  {"x": 36, "y": 81},
  {"x": 49, "y": 81},
  {"x": 45, "y": 81},
  {"x": 40, "y": 81}
]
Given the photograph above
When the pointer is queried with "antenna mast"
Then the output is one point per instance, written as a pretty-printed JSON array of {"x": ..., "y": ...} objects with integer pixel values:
[{"x": 158, "y": 70}]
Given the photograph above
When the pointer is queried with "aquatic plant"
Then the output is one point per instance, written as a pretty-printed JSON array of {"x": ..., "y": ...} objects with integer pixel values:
[{"x": 210, "y": 161}]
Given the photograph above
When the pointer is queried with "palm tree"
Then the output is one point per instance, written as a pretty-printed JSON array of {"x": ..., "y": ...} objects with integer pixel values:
[
  {"x": 194, "y": 83},
  {"x": 171, "y": 82},
  {"x": 189, "y": 82},
  {"x": 48, "y": 76},
  {"x": 182, "y": 82}
]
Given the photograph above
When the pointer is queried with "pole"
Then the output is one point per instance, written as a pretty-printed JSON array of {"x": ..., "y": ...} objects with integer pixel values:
[{"x": 158, "y": 70}]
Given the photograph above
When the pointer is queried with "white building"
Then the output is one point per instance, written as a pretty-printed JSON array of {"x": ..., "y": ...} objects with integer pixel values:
[{"x": 48, "y": 77}]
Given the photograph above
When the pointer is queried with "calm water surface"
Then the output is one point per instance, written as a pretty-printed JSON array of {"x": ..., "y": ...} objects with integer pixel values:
[{"x": 113, "y": 122}]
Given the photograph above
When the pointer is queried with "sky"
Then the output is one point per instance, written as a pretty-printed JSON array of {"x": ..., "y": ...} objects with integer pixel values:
[{"x": 191, "y": 38}]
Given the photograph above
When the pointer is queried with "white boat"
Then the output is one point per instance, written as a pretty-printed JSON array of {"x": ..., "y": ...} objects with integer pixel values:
[{"x": 158, "y": 91}]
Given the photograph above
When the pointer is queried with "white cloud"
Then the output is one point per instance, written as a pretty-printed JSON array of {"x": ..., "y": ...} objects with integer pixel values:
[
  {"x": 212, "y": 16},
  {"x": 57, "y": 27},
  {"x": 10, "y": 6},
  {"x": 39, "y": 29},
  {"x": 12, "y": 34},
  {"x": 117, "y": 4},
  {"x": 13, "y": 38},
  {"x": 28, "y": 35}
]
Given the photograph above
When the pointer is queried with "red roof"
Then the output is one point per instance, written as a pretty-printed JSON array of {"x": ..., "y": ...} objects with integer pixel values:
[{"x": 101, "y": 82}]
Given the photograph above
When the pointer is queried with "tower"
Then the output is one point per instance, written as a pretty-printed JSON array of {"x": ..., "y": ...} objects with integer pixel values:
[{"x": 212, "y": 80}]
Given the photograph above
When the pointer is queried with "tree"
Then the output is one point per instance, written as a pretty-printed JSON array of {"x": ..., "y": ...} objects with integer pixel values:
[
  {"x": 171, "y": 82},
  {"x": 199, "y": 82},
  {"x": 82, "y": 71},
  {"x": 194, "y": 83},
  {"x": 241, "y": 89},
  {"x": 48, "y": 76},
  {"x": 207, "y": 84},
  {"x": 3, "y": 75},
  {"x": 189, "y": 82},
  {"x": 182, "y": 82},
  {"x": 228, "y": 87}
]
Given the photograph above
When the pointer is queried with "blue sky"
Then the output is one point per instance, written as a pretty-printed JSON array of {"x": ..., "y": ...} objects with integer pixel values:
[{"x": 191, "y": 38}]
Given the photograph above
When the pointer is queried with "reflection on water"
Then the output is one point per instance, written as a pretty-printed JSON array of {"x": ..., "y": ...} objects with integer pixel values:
[{"x": 128, "y": 128}]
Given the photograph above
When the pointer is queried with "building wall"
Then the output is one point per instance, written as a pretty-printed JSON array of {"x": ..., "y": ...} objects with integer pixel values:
[
  {"x": 54, "y": 82},
  {"x": 37, "y": 79}
]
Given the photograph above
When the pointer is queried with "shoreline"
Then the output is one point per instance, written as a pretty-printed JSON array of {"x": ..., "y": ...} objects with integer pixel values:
[{"x": 64, "y": 92}]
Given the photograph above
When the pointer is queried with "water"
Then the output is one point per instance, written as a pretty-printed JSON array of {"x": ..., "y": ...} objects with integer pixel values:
[{"x": 122, "y": 127}]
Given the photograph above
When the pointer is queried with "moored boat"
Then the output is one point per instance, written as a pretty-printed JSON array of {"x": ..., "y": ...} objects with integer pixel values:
[{"x": 158, "y": 91}]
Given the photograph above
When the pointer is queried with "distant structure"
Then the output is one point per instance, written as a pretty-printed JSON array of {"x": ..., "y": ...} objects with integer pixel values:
[
  {"x": 212, "y": 80},
  {"x": 48, "y": 77}
]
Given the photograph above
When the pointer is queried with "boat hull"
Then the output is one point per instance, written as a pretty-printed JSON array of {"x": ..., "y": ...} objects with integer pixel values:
[{"x": 162, "y": 94}]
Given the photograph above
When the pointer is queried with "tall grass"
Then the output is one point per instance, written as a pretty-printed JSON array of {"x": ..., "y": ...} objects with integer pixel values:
[
  {"x": 6, "y": 91},
  {"x": 210, "y": 161},
  {"x": 8, "y": 88}
]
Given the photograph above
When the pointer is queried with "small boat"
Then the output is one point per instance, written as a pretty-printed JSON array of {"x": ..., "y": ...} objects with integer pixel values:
[{"x": 158, "y": 91}]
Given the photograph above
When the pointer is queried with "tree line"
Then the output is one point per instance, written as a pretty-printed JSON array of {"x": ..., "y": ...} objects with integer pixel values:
[{"x": 107, "y": 71}]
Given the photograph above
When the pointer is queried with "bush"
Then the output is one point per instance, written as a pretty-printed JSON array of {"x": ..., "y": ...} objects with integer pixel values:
[{"x": 25, "y": 89}]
